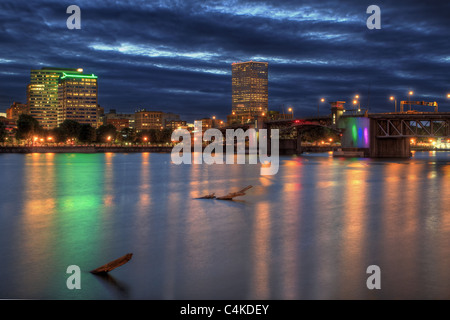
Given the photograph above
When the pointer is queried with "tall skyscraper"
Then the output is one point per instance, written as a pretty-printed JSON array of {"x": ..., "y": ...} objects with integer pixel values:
[
  {"x": 250, "y": 93},
  {"x": 44, "y": 99},
  {"x": 77, "y": 95}
]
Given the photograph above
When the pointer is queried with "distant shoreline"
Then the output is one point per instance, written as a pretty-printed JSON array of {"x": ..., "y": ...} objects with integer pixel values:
[
  {"x": 141, "y": 149},
  {"x": 85, "y": 149}
]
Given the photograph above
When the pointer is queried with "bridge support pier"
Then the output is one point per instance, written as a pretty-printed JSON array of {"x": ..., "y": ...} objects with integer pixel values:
[
  {"x": 390, "y": 148},
  {"x": 299, "y": 143},
  {"x": 398, "y": 147}
]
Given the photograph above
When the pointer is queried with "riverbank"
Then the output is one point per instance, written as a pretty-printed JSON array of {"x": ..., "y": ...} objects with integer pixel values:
[
  {"x": 84, "y": 149},
  {"x": 128, "y": 149}
]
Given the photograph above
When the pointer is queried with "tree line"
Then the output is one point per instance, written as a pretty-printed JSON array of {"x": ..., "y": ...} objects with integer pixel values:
[{"x": 29, "y": 129}]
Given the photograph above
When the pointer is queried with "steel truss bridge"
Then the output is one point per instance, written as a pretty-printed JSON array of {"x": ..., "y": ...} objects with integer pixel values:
[{"x": 409, "y": 125}]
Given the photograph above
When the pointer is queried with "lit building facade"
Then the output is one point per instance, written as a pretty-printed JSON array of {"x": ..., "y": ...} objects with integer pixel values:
[
  {"x": 250, "y": 93},
  {"x": 56, "y": 94},
  {"x": 146, "y": 120},
  {"x": 16, "y": 109},
  {"x": 175, "y": 124},
  {"x": 42, "y": 96},
  {"x": 78, "y": 97},
  {"x": 120, "y": 120}
]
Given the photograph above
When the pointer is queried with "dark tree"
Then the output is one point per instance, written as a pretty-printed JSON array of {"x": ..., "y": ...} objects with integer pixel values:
[
  {"x": 70, "y": 129},
  {"x": 3, "y": 132},
  {"x": 87, "y": 133},
  {"x": 27, "y": 127},
  {"x": 164, "y": 135},
  {"x": 105, "y": 131},
  {"x": 127, "y": 135}
]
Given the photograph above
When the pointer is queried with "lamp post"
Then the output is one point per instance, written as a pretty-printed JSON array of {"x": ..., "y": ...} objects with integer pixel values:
[
  {"x": 393, "y": 99},
  {"x": 291, "y": 111},
  {"x": 409, "y": 100},
  {"x": 318, "y": 106},
  {"x": 356, "y": 102}
]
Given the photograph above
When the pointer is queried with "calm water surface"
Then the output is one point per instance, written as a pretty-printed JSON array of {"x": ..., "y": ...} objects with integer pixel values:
[{"x": 308, "y": 232}]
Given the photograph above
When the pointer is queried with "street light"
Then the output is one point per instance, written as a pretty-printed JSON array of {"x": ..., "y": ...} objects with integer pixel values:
[
  {"x": 393, "y": 99},
  {"x": 318, "y": 106},
  {"x": 409, "y": 100},
  {"x": 291, "y": 111},
  {"x": 356, "y": 102}
]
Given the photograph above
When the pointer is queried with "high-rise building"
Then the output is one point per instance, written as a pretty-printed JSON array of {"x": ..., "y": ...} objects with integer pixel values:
[
  {"x": 44, "y": 96},
  {"x": 77, "y": 96},
  {"x": 250, "y": 93}
]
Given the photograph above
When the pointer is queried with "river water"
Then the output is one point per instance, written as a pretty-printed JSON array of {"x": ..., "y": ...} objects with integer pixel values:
[{"x": 309, "y": 232}]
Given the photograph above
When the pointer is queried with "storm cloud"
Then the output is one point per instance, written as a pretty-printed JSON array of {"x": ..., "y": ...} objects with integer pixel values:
[{"x": 176, "y": 56}]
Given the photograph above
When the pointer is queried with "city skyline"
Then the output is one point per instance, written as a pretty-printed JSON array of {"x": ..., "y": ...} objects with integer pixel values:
[{"x": 176, "y": 56}]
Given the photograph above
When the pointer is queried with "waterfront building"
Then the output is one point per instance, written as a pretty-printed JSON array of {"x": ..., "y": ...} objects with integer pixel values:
[
  {"x": 57, "y": 94},
  {"x": 249, "y": 87},
  {"x": 15, "y": 110},
  {"x": 168, "y": 117},
  {"x": 77, "y": 98},
  {"x": 175, "y": 124},
  {"x": 146, "y": 120},
  {"x": 100, "y": 115},
  {"x": 120, "y": 120},
  {"x": 42, "y": 95},
  {"x": 207, "y": 123}
]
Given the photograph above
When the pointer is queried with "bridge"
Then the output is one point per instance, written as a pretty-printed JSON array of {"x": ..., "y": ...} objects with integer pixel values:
[{"x": 375, "y": 135}]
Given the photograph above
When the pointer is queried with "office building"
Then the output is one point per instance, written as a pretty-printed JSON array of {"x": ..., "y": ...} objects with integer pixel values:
[
  {"x": 77, "y": 97},
  {"x": 146, "y": 120},
  {"x": 250, "y": 88},
  {"x": 120, "y": 120},
  {"x": 56, "y": 94}
]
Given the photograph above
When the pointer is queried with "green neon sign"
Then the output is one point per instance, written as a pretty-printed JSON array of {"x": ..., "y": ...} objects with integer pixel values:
[{"x": 86, "y": 76}]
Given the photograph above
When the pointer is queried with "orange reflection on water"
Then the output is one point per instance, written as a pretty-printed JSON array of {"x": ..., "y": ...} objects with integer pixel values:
[
  {"x": 354, "y": 226},
  {"x": 144, "y": 187},
  {"x": 401, "y": 203},
  {"x": 38, "y": 212},
  {"x": 261, "y": 252},
  {"x": 289, "y": 262}
]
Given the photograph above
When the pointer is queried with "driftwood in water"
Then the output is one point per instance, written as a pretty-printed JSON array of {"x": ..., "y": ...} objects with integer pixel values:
[
  {"x": 113, "y": 264},
  {"x": 232, "y": 195},
  {"x": 208, "y": 196}
]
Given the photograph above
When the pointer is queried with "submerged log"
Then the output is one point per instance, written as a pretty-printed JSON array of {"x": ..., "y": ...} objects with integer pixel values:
[
  {"x": 232, "y": 195},
  {"x": 113, "y": 264}
]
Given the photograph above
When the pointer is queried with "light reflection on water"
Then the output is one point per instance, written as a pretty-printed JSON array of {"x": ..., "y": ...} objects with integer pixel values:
[{"x": 309, "y": 232}]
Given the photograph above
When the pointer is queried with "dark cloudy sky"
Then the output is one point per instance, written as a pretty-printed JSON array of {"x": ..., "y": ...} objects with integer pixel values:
[{"x": 176, "y": 55}]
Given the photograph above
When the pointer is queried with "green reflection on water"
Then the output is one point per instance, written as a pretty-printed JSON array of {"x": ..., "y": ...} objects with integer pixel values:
[{"x": 62, "y": 209}]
